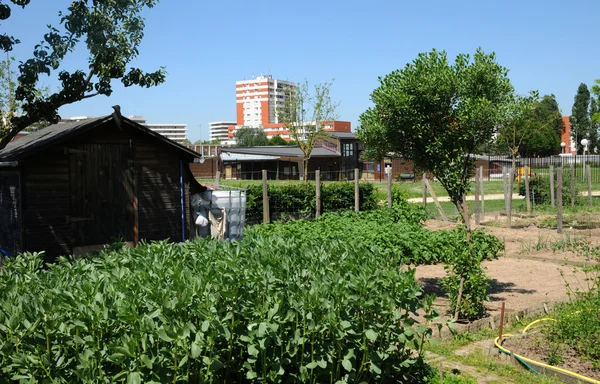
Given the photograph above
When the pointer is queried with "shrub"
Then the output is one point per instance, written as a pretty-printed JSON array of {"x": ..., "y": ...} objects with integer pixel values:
[
  {"x": 578, "y": 322},
  {"x": 297, "y": 200},
  {"x": 539, "y": 189},
  {"x": 281, "y": 310}
]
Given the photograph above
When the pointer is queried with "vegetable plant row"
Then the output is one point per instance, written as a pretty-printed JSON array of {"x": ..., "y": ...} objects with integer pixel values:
[
  {"x": 396, "y": 233},
  {"x": 267, "y": 310}
]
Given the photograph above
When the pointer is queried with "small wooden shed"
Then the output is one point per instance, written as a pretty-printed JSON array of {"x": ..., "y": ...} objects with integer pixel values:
[{"x": 75, "y": 186}]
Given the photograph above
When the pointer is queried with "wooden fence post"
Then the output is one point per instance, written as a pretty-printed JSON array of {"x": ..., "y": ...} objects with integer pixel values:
[
  {"x": 389, "y": 189},
  {"x": 318, "y": 193},
  {"x": 266, "y": 216},
  {"x": 481, "y": 190},
  {"x": 572, "y": 185},
  {"x": 589, "y": 178},
  {"x": 527, "y": 197},
  {"x": 505, "y": 185},
  {"x": 477, "y": 211},
  {"x": 356, "y": 190},
  {"x": 424, "y": 190},
  {"x": 552, "y": 185},
  {"x": 559, "y": 200},
  {"x": 510, "y": 193}
]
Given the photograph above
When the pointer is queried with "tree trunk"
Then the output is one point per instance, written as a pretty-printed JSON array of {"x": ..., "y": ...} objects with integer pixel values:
[
  {"x": 461, "y": 207},
  {"x": 306, "y": 170}
]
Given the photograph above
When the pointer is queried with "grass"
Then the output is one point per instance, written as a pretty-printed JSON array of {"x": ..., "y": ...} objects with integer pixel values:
[
  {"x": 581, "y": 212},
  {"x": 487, "y": 364}
]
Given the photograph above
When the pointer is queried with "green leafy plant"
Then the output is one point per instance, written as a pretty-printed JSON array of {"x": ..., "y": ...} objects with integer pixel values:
[
  {"x": 266, "y": 310},
  {"x": 467, "y": 266}
]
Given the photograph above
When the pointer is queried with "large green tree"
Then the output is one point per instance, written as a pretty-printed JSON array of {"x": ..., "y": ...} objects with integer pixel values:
[
  {"x": 251, "y": 137},
  {"x": 580, "y": 116},
  {"x": 532, "y": 127},
  {"x": 110, "y": 30},
  {"x": 437, "y": 113}
]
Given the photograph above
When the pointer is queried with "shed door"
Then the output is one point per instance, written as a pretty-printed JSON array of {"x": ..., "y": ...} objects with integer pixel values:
[{"x": 102, "y": 185}]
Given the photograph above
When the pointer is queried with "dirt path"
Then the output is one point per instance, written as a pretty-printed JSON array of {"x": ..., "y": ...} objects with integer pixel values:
[{"x": 497, "y": 196}]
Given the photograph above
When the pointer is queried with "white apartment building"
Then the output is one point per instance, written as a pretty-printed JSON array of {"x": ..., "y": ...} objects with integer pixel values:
[
  {"x": 175, "y": 132},
  {"x": 219, "y": 130},
  {"x": 258, "y": 100}
]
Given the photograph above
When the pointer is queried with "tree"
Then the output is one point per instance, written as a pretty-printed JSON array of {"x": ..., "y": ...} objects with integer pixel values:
[
  {"x": 594, "y": 145},
  {"x": 110, "y": 30},
  {"x": 580, "y": 117},
  {"x": 305, "y": 114},
  {"x": 277, "y": 140},
  {"x": 9, "y": 106},
  {"x": 186, "y": 142},
  {"x": 251, "y": 137},
  {"x": 531, "y": 127},
  {"x": 436, "y": 113}
]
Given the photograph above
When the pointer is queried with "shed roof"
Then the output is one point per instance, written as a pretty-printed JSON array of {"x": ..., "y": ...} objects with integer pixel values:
[
  {"x": 284, "y": 150},
  {"x": 342, "y": 135},
  {"x": 227, "y": 156},
  {"x": 64, "y": 130}
]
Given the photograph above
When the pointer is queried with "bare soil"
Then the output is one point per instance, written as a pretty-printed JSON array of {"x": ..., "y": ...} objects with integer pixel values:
[
  {"x": 527, "y": 274},
  {"x": 535, "y": 346}
]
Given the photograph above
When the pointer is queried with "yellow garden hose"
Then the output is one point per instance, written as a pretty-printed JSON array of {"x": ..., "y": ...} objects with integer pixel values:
[{"x": 525, "y": 360}]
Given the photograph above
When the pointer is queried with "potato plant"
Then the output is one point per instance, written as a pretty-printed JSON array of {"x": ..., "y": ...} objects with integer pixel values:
[
  {"x": 397, "y": 233},
  {"x": 267, "y": 310}
]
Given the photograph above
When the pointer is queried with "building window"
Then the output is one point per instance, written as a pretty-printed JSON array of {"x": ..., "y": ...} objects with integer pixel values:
[{"x": 348, "y": 149}]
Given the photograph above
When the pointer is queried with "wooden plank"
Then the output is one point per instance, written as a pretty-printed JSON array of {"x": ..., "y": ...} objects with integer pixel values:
[
  {"x": 527, "y": 196},
  {"x": 435, "y": 200}
]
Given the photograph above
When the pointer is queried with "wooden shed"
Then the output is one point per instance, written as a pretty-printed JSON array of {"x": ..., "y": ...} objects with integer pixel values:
[{"x": 75, "y": 186}]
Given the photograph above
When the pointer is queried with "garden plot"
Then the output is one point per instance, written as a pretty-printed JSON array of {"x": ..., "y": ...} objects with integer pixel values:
[{"x": 534, "y": 269}]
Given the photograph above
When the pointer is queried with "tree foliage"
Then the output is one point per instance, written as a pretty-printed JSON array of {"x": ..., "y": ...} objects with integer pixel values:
[
  {"x": 251, "y": 137},
  {"x": 277, "y": 140},
  {"x": 110, "y": 30},
  {"x": 305, "y": 113},
  {"x": 580, "y": 116},
  {"x": 532, "y": 127},
  {"x": 437, "y": 113}
]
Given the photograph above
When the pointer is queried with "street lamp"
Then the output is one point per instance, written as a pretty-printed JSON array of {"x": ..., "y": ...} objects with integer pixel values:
[{"x": 562, "y": 146}]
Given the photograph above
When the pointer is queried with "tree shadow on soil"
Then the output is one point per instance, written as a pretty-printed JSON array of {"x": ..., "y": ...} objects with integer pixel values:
[{"x": 433, "y": 285}]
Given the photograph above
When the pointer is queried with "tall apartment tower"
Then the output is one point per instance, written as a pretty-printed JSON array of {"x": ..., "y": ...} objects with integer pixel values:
[{"x": 258, "y": 100}]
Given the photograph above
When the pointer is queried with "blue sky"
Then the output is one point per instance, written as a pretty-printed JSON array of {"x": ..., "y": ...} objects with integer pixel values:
[{"x": 547, "y": 45}]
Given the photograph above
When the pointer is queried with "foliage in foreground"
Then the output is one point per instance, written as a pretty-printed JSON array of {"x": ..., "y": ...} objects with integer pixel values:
[
  {"x": 397, "y": 233},
  {"x": 578, "y": 322},
  {"x": 208, "y": 311}
]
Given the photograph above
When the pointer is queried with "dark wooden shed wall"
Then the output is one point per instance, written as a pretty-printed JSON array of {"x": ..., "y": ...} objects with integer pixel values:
[
  {"x": 10, "y": 212},
  {"x": 49, "y": 181}
]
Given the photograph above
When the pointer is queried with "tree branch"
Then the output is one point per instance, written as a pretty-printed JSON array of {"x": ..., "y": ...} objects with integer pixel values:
[{"x": 90, "y": 95}]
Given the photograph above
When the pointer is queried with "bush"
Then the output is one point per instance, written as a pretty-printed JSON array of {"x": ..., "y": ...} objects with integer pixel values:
[
  {"x": 539, "y": 189},
  {"x": 297, "y": 200},
  {"x": 280, "y": 310},
  {"x": 578, "y": 322}
]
